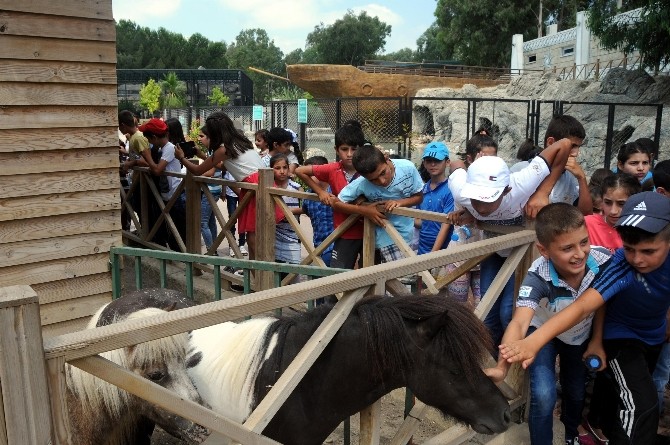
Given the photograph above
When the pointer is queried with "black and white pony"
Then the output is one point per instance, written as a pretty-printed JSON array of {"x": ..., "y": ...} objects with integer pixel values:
[
  {"x": 434, "y": 346},
  {"x": 101, "y": 413}
]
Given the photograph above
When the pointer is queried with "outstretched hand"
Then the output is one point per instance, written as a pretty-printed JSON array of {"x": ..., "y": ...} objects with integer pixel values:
[
  {"x": 519, "y": 351},
  {"x": 496, "y": 374}
]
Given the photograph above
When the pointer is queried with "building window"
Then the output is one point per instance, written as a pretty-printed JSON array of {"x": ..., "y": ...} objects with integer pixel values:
[
  {"x": 567, "y": 50},
  {"x": 532, "y": 58}
]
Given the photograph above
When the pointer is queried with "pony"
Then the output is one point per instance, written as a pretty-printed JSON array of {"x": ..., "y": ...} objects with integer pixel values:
[
  {"x": 101, "y": 413},
  {"x": 433, "y": 346}
]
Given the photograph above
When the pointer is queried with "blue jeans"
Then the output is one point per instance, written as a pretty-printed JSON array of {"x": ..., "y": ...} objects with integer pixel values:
[
  {"x": 661, "y": 374},
  {"x": 501, "y": 312},
  {"x": 208, "y": 219},
  {"x": 543, "y": 390}
]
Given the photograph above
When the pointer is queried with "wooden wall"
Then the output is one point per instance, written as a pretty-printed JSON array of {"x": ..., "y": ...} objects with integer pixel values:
[{"x": 59, "y": 180}]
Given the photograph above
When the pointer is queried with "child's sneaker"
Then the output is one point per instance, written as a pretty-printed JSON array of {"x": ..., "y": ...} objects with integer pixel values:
[{"x": 244, "y": 251}]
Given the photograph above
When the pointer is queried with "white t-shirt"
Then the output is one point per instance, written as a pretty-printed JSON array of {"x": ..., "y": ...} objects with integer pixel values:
[
  {"x": 245, "y": 164},
  {"x": 173, "y": 165},
  {"x": 566, "y": 189}
]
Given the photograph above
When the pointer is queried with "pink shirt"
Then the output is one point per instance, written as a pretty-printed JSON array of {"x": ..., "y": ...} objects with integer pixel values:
[{"x": 602, "y": 234}]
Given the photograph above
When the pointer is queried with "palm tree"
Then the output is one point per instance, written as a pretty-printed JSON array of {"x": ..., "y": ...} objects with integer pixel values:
[{"x": 174, "y": 91}]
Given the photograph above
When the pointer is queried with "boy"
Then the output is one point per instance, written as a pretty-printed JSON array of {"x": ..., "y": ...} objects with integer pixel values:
[
  {"x": 633, "y": 327},
  {"x": 349, "y": 246},
  {"x": 433, "y": 235},
  {"x": 490, "y": 193},
  {"x": 320, "y": 214},
  {"x": 566, "y": 268},
  {"x": 572, "y": 186},
  {"x": 388, "y": 182}
]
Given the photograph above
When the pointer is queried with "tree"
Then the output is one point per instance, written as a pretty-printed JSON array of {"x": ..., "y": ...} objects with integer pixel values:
[
  {"x": 649, "y": 34},
  {"x": 350, "y": 40},
  {"x": 150, "y": 94},
  {"x": 174, "y": 91},
  {"x": 431, "y": 46},
  {"x": 254, "y": 48},
  {"x": 218, "y": 97},
  {"x": 402, "y": 55},
  {"x": 480, "y": 33}
]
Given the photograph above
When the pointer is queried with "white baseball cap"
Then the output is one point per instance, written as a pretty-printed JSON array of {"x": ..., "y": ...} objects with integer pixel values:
[{"x": 487, "y": 179}]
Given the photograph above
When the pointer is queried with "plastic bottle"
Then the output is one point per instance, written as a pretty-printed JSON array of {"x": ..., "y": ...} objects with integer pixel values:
[
  {"x": 592, "y": 362},
  {"x": 464, "y": 231}
]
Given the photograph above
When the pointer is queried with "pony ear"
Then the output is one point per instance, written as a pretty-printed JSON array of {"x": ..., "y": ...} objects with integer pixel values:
[{"x": 430, "y": 327}]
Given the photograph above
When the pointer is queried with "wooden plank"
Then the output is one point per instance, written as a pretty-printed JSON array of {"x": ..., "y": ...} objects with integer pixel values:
[
  {"x": 21, "y": 93},
  {"x": 56, "y": 291},
  {"x": 36, "y": 48},
  {"x": 61, "y": 269},
  {"x": 370, "y": 420},
  {"x": 73, "y": 309},
  {"x": 59, "y": 182},
  {"x": 128, "y": 333},
  {"x": 59, "y": 160},
  {"x": 3, "y": 427},
  {"x": 58, "y": 204},
  {"x": 59, "y": 116},
  {"x": 96, "y": 9},
  {"x": 22, "y": 370},
  {"x": 37, "y": 251},
  {"x": 41, "y": 25},
  {"x": 67, "y": 327},
  {"x": 58, "y": 401},
  {"x": 57, "y": 72},
  {"x": 156, "y": 394},
  {"x": 265, "y": 227},
  {"x": 410, "y": 424},
  {"x": 455, "y": 435},
  {"x": 36, "y": 139},
  {"x": 399, "y": 241},
  {"x": 55, "y": 227}
]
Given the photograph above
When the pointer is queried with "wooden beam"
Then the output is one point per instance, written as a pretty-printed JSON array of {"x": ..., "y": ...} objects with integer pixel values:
[
  {"x": 28, "y": 207},
  {"x": 371, "y": 423},
  {"x": 455, "y": 435},
  {"x": 64, "y": 27},
  {"x": 410, "y": 424},
  {"x": 73, "y": 308},
  {"x": 55, "y": 291},
  {"x": 71, "y": 8},
  {"x": 35, "y": 48},
  {"x": 61, "y": 269},
  {"x": 47, "y": 71},
  {"x": 58, "y": 182},
  {"x": 58, "y": 397},
  {"x": 48, "y": 116},
  {"x": 17, "y": 93},
  {"x": 38, "y": 139},
  {"x": 399, "y": 241},
  {"x": 265, "y": 227},
  {"x": 50, "y": 227}
]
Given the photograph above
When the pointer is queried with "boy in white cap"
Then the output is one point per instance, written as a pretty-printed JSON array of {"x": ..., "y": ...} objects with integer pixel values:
[
  {"x": 632, "y": 329},
  {"x": 489, "y": 193}
]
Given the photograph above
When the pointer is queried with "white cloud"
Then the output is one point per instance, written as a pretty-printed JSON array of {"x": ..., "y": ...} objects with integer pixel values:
[{"x": 145, "y": 11}]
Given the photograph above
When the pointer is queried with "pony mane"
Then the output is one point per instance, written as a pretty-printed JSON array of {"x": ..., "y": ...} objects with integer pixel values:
[
  {"x": 96, "y": 394},
  {"x": 463, "y": 336}
]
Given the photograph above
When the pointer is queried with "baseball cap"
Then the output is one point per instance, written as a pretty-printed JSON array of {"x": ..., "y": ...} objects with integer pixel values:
[
  {"x": 437, "y": 150},
  {"x": 155, "y": 126},
  {"x": 649, "y": 211},
  {"x": 486, "y": 179}
]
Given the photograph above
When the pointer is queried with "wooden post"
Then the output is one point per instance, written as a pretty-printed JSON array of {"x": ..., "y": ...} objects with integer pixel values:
[
  {"x": 25, "y": 397},
  {"x": 192, "y": 190},
  {"x": 265, "y": 227}
]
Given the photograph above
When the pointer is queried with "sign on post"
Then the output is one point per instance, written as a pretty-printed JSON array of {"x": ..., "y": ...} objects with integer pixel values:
[
  {"x": 258, "y": 112},
  {"x": 302, "y": 111}
]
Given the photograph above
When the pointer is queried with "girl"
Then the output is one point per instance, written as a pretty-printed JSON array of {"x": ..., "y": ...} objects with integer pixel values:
[
  {"x": 208, "y": 227},
  {"x": 614, "y": 192},
  {"x": 230, "y": 146},
  {"x": 261, "y": 141},
  {"x": 287, "y": 243},
  {"x": 634, "y": 159},
  {"x": 281, "y": 141}
]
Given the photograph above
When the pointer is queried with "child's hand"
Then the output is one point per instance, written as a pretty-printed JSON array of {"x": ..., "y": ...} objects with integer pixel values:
[
  {"x": 519, "y": 351},
  {"x": 325, "y": 197},
  {"x": 496, "y": 374},
  {"x": 178, "y": 152},
  {"x": 375, "y": 215},
  {"x": 535, "y": 204},
  {"x": 390, "y": 205},
  {"x": 596, "y": 348},
  {"x": 573, "y": 167}
]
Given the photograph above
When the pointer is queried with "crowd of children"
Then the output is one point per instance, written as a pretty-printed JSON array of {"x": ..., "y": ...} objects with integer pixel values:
[{"x": 599, "y": 287}]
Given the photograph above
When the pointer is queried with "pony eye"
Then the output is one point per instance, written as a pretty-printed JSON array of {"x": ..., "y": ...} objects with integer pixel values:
[{"x": 156, "y": 376}]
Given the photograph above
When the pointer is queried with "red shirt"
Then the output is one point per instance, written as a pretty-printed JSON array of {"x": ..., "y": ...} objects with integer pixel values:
[
  {"x": 333, "y": 174},
  {"x": 602, "y": 234}
]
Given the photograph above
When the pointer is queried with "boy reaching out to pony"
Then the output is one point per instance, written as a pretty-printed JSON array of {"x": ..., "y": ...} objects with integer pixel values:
[
  {"x": 566, "y": 268},
  {"x": 629, "y": 334}
]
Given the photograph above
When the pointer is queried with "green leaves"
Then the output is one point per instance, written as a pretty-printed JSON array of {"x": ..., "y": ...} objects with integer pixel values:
[
  {"x": 150, "y": 94},
  {"x": 174, "y": 91},
  {"x": 218, "y": 97}
]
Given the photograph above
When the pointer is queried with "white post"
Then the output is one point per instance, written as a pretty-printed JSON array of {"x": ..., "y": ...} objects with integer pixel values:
[
  {"x": 582, "y": 44},
  {"x": 517, "y": 61}
]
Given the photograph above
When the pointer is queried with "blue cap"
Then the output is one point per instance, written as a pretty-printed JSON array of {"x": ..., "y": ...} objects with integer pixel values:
[{"x": 436, "y": 150}]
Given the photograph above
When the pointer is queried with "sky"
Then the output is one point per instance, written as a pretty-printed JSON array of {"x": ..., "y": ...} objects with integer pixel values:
[{"x": 287, "y": 22}]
